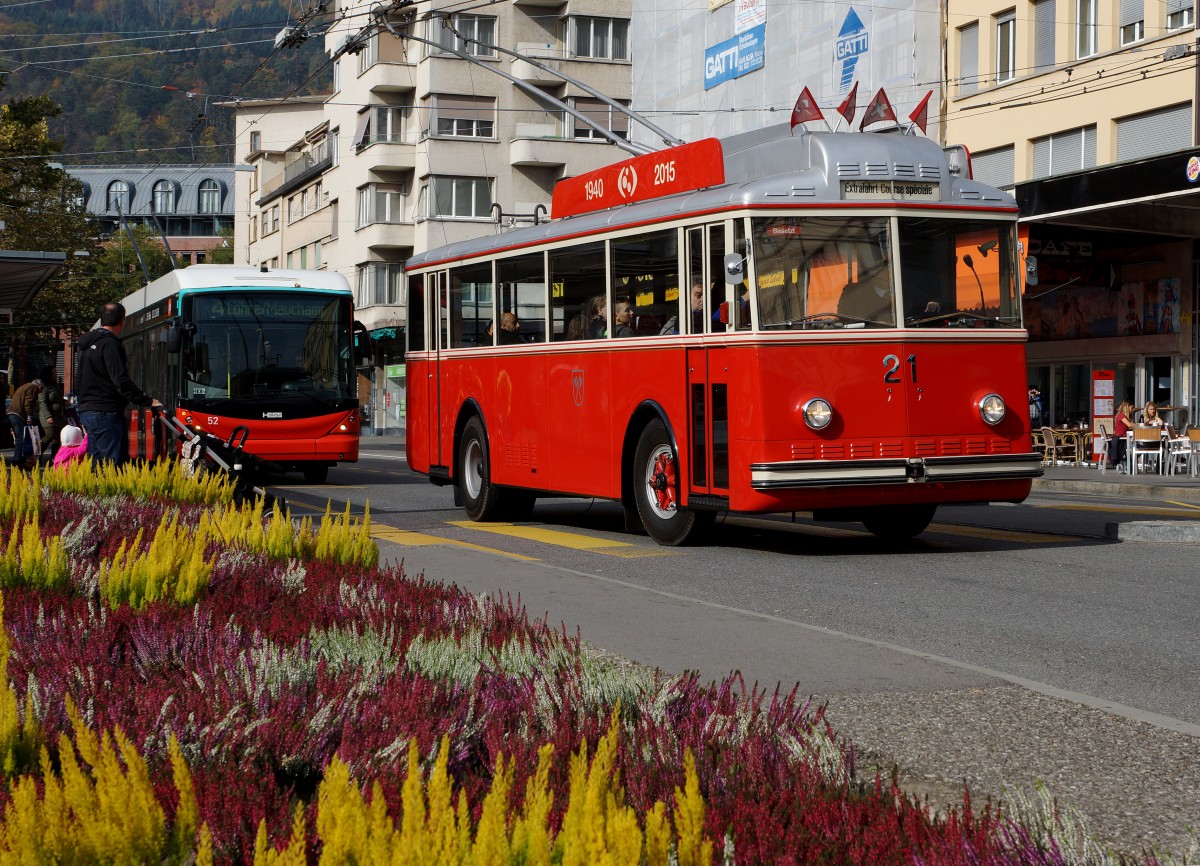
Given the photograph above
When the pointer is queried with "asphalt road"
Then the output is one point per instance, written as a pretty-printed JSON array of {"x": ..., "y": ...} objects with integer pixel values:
[{"x": 1007, "y": 645}]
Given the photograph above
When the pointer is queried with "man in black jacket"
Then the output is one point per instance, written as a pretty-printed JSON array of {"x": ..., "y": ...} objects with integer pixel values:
[{"x": 103, "y": 387}]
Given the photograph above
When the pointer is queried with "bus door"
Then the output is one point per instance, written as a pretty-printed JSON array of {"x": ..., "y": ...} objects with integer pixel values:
[
  {"x": 708, "y": 366},
  {"x": 440, "y": 310}
]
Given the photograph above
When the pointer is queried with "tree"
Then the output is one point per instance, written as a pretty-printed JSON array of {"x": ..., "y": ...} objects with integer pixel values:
[
  {"x": 119, "y": 269},
  {"x": 41, "y": 206},
  {"x": 222, "y": 253}
]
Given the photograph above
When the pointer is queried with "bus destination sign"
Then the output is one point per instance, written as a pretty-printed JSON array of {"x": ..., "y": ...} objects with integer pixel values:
[
  {"x": 696, "y": 165},
  {"x": 890, "y": 190}
]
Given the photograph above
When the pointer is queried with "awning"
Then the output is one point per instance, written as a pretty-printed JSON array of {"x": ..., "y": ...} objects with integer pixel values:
[
  {"x": 22, "y": 275},
  {"x": 1157, "y": 195}
]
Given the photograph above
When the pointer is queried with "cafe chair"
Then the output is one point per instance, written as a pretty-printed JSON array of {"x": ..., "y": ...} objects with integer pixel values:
[
  {"x": 1067, "y": 447},
  {"x": 1179, "y": 454},
  {"x": 1050, "y": 449},
  {"x": 1145, "y": 449},
  {"x": 1194, "y": 437}
]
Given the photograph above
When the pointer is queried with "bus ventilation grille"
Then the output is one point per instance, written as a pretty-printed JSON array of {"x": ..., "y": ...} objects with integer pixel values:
[{"x": 521, "y": 454}]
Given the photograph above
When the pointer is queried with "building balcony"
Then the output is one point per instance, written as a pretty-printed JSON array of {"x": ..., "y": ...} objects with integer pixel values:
[
  {"x": 538, "y": 151},
  {"x": 389, "y": 156},
  {"x": 384, "y": 237},
  {"x": 529, "y": 72}
]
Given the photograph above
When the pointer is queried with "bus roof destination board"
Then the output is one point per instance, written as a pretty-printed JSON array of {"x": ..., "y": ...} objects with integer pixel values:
[{"x": 687, "y": 167}]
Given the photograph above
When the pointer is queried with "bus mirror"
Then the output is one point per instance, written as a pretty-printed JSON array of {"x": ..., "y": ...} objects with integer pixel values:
[
  {"x": 1031, "y": 271},
  {"x": 733, "y": 269},
  {"x": 176, "y": 332},
  {"x": 363, "y": 356}
]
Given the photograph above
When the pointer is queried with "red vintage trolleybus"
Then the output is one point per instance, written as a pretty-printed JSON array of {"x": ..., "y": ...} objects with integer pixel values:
[{"x": 824, "y": 322}]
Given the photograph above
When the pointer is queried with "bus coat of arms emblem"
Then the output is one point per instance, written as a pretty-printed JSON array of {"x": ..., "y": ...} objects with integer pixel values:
[{"x": 577, "y": 386}]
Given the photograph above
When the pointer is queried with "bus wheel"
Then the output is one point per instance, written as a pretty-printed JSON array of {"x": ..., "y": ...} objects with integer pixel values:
[
  {"x": 480, "y": 497},
  {"x": 316, "y": 473},
  {"x": 656, "y": 489},
  {"x": 899, "y": 522}
]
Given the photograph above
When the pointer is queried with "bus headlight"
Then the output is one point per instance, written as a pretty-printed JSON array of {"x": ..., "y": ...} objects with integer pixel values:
[
  {"x": 992, "y": 409},
  {"x": 818, "y": 413}
]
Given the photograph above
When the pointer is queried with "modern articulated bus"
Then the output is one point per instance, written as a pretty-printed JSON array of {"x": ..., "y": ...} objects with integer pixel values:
[{"x": 818, "y": 322}]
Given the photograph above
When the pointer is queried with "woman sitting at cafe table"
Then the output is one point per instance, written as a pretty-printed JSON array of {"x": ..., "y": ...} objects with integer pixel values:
[{"x": 1150, "y": 416}]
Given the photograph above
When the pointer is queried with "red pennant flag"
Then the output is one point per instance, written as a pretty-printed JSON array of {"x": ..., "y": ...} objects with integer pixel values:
[
  {"x": 920, "y": 115},
  {"x": 806, "y": 109},
  {"x": 849, "y": 106},
  {"x": 879, "y": 109}
]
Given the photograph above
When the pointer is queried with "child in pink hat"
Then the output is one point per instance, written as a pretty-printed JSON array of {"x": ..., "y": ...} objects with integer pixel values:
[{"x": 74, "y": 446}]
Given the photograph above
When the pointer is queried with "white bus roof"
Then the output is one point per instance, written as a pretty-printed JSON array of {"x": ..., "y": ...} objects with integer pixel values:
[{"x": 232, "y": 276}]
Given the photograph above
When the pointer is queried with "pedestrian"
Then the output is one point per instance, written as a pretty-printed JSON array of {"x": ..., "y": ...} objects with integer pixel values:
[
  {"x": 103, "y": 387},
  {"x": 1035, "y": 406},
  {"x": 73, "y": 448},
  {"x": 22, "y": 417},
  {"x": 51, "y": 410}
]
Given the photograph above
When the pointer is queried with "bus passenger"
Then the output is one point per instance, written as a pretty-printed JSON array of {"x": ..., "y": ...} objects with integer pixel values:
[
  {"x": 509, "y": 326},
  {"x": 596, "y": 313},
  {"x": 623, "y": 320}
]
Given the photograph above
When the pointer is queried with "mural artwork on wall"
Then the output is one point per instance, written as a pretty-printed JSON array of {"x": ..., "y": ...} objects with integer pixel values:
[{"x": 1081, "y": 312}]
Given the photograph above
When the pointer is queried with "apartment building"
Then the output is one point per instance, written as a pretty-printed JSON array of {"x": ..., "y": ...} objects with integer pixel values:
[
  {"x": 1086, "y": 110},
  {"x": 417, "y": 147}
]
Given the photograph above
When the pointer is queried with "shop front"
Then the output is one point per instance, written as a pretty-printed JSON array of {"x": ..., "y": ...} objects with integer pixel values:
[{"x": 1111, "y": 288}]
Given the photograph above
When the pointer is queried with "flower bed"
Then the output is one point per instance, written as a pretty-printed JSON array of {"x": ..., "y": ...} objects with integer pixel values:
[{"x": 277, "y": 697}]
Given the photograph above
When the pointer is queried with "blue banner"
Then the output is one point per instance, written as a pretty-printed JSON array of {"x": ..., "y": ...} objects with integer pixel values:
[{"x": 735, "y": 57}]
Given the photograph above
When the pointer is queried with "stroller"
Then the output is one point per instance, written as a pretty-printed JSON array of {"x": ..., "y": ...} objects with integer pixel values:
[{"x": 201, "y": 451}]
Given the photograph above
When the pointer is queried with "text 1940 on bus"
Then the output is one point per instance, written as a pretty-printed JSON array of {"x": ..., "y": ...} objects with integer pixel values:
[
  {"x": 268, "y": 355},
  {"x": 824, "y": 322}
]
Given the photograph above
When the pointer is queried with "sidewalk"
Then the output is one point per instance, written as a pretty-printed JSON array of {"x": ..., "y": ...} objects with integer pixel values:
[{"x": 1089, "y": 481}]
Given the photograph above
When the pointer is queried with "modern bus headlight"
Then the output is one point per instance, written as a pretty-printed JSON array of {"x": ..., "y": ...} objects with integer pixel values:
[
  {"x": 818, "y": 413},
  {"x": 992, "y": 409}
]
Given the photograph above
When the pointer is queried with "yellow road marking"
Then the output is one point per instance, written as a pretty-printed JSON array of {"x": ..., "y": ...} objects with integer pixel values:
[
  {"x": 408, "y": 538},
  {"x": 571, "y": 540},
  {"x": 1148, "y": 509},
  {"x": 1001, "y": 534}
]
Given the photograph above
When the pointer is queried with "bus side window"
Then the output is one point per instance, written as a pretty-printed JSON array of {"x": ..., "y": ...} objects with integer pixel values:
[
  {"x": 576, "y": 276},
  {"x": 522, "y": 292},
  {"x": 416, "y": 313},
  {"x": 645, "y": 271},
  {"x": 470, "y": 305}
]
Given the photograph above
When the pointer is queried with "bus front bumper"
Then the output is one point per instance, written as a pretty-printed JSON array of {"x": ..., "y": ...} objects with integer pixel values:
[{"x": 911, "y": 470}]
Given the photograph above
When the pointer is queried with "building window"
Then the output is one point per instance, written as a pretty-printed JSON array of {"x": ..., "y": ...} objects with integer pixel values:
[
  {"x": 379, "y": 283},
  {"x": 968, "y": 59},
  {"x": 465, "y": 116},
  {"x": 1133, "y": 24},
  {"x": 1179, "y": 14},
  {"x": 381, "y": 123},
  {"x": 275, "y": 218},
  {"x": 995, "y": 167},
  {"x": 210, "y": 196},
  {"x": 369, "y": 56},
  {"x": 380, "y": 203},
  {"x": 602, "y": 114},
  {"x": 334, "y": 157},
  {"x": 463, "y": 197},
  {"x": 1062, "y": 152},
  {"x": 255, "y": 141},
  {"x": 481, "y": 28},
  {"x": 601, "y": 38},
  {"x": 164, "y": 197},
  {"x": 117, "y": 198},
  {"x": 1085, "y": 28},
  {"x": 1154, "y": 132},
  {"x": 1043, "y": 35},
  {"x": 292, "y": 212},
  {"x": 1006, "y": 46},
  {"x": 289, "y": 261}
]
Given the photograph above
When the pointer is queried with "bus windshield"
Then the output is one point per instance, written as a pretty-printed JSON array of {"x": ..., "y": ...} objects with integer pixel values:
[
  {"x": 838, "y": 272},
  {"x": 269, "y": 344}
]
